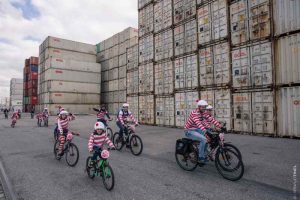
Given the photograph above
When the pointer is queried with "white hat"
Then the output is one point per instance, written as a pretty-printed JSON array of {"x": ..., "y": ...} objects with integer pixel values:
[
  {"x": 99, "y": 125},
  {"x": 202, "y": 103}
]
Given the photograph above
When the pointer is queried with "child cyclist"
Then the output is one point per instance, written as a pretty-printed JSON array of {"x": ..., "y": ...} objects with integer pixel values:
[
  {"x": 63, "y": 127},
  {"x": 14, "y": 117},
  {"x": 97, "y": 139}
]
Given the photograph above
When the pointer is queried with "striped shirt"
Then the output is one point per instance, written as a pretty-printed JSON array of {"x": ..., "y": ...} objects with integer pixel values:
[
  {"x": 124, "y": 115},
  {"x": 208, "y": 121},
  {"x": 64, "y": 123},
  {"x": 15, "y": 116},
  {"x": 194, "y": 121},
  {"x": 98, "y": 140},
  {"x": 101, "y": 114},
  {"x": 39, "y": 115}
]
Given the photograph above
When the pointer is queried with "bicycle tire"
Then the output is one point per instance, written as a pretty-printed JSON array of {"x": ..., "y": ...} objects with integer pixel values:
[
  {"x": 194, "y": 164},
  {"x": 55, "y": 150},
  {"x": 109, "y": 133},
  {"x": 88, "y": 168},
  {"x": 134, "y": 139},
  {"x": 228, "y": 145},
  {"x": 71, "y": 146},
  {"x": 117, "y": 141},
  {"x": 105, "y": 174}
]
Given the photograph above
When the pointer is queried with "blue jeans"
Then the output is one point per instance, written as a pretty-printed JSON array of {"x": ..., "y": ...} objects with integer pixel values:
[
  {"x": 198, "y": 135},
  {"x": 122, "y": 129},
  {"x": 97, "y": 152}
]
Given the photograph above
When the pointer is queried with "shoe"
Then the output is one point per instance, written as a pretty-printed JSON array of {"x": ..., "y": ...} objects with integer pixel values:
[{"x": 202, "y": 161}]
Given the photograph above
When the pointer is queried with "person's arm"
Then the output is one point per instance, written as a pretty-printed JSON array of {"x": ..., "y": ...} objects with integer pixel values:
[
  {"x": 120, "y": 116},
  {"x": 212, "y": 120},
  {"x": 109, "y": 142},
  {"x": 198, "y": 122},
  {"x": 107, "y": 115},
  {"x": 91, "y": 142},
  {"x": 132, "y": 118}
]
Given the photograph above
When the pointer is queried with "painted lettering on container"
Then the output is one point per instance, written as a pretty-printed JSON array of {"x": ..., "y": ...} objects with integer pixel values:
[{"x": 58, "y": 71}]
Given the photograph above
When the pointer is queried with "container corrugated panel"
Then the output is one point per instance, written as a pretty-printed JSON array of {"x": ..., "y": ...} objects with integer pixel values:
[
  {"x": 142, "y": 3},
  {"x": 288, "y": 59},
  {"x": 202, "y": 1},
  {"x": 146, "y": 20},
  {"x": 146, "y": 78},
  {"x": 162, "y": 15},
  {"x": 222, "y": 66},
  {"x": 59, "y": 63},
  {"x": 16, "y": 80},
  {"x": 116, "y": 97},
  {"x": 113, "y": 74},
  {"x": 68, "y": 75},
  {"x": 123, "y": 46},
  {"x": 286, "y": 16},
  {"x": 132, "y": 57},
  {"x": 16, "y": 92},
  {"x": 104, "y": 76},
  {"x": 183, "y": 9},
  {"x": 63, "y": 54},
  {"x": 69, "y": 45},
  {"x": 133, "y": 41},
  {"x": 186, "y": 72},
  {"x": 115, "y": 50},
  {"x": 241, "y": 67},
  {"x": 219, "y": 19},
  {"x": 71, "y": 98},
  {"x": 122, "y": 96},
  {"x": 263, "y": 112},
  {"x": 122, "y": 60},
  {"x": 206, "y": 66},
  {"x": 164, "y": 78},
  {"x": 165, "y": 111},
  {"x": 113, "y": 85},
  {"x": 185, "y": 38},
  {"x": 242, "y": 119},
  {"x": 16, "y": 97},
  {"x": 104, "y": 87},
  {"x": 146, "y": 49},
  {"x": 122, "y": 72},
  {"x": 73, "y": 108},
  {"x": 163, "y": 43},
  {"x": 239, "y": 22},
  {"x": 146, "y": 109},
  {"x": 127, "y": 34},
  {"x": 185, "y": 103},
  {"x": 122, "y": 84},
  {"x": 133, "y": 82},
  {"x": 288, "y": 104},
  {"x": 223, "y": 107},
  {"x": 116, "y": 39},
  {"x": 100, "y": 46},
  {"x": 133, "y": 102},
  {"x": 204, "y": 24},
  {"x": 260, "y": 19}
]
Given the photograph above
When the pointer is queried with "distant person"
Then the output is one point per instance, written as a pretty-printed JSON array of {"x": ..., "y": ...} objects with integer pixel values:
[
  {"x": 102, "y": 113},
  {"x": 32, "y": 112},
  {"x": 6, "y": 113}
]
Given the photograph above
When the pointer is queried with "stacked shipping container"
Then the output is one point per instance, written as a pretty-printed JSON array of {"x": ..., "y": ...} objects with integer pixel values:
[
  {"x": 30, "y": 84},
  {"x": 68, "y": 76},
  {"x": 16, "y": 93}
]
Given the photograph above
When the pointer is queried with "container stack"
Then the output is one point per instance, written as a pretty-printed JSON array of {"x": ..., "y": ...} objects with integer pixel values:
[
  {"x": 16, "y": 94},
  {"x": 113, "y": 54},
  {"x": 68, "y": 76},
  {"x": 30, "y": 84}
]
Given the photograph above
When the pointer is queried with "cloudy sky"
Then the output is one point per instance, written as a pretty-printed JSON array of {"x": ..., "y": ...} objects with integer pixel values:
[{"x": 24, "y": 24}]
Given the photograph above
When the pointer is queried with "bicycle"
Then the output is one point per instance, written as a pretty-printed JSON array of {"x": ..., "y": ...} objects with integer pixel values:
[
  {"x": 226, "y": 156},
  {"x": 101, "y": 168},
  {"x": 70, "y": 150},
  {"x": 13, "y": 123},
  {"x": 46, "y": 120},
  {"x": 132, "y": 141},
  {"x": 39, "y": 122}
]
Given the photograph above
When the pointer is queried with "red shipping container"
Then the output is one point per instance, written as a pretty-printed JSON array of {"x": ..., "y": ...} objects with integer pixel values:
[
  {"x": 32, "y": 84},
  {"x": 27, "y": 61},
  {"x": 25, "y": 86},
  {"x": 26, "y": 69},
  {"x": 32, "y": 92},
  {"x": 33, "y": 100},
  {"x": 34, "y": 60},
  {"x": 25, "y": 93},
  {"x": 33, "y": 76}
]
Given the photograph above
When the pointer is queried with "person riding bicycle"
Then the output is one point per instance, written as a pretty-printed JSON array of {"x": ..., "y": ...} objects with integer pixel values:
[
  {"x": 39, "y": 116},
  {"x": 123, "y": 115},
  {"x": 45, "y": 113},
  {"x": 97, "y": 139},
  {"x": 195, "y": 128},
  {"x": 63, "y": 127},
  {"x": 59, "y": 110},
  {"x": 101, "y": 115},
  {"x": 209, "y": 120},
  {"x": 15, "y": 116}
]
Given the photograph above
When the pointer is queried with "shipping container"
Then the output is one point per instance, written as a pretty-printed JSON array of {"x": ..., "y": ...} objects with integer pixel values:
[
  {"x": 123, "y": 46},
  {"x": 115, "y": 38},
  {"x": 33, "y": 60},
  {"x": 164, "y": 78},
  {"x": 132, "y": 57},
  {"x": 286, "y": 15},
  {"x": 70, "y": 87},
  {"x": 113, "y": 85},
  {"x": 121, "y": 96},
  {"x": 242, "y": 119},
  {"x": 70, "y": 98},
  {"x": 122, "y": 60},
  {"x": 122, "y": 72},
  {"x": 72, "y": 108},
  {"x": 163, "y": 15},
  {"x": 185, "y": 38},
  {"x": 110, "y": 64},
  {"x": 122, "y": 84},
  {"x": 206, "y": 66},
  {"x": 186, "y": 72},
  {"x": 105, "y": 75},
  {"x": 133, "y": 82},
  {"x": 185, "y": 103},
  {"x": 142, "y": 3},
  {"x": 127, "y": 34},
  {"x": 16, "y": 92},
  {"x": 163, "y": 44},
  {"x": 241, "y": 67},
  {"x": 287, "y": 56},
  {"x": 204, "y": 24},
  {"x": 113, "y": 74},
  {"x": 16, "y": 81},
  {"x": 115, "y": 51},
  {"x": 219, "y": 19},
  {"x": 32, "y": 76},
  {"x": 183, "y": 10},
  {"x": 32, "y": 84},
  {"x": 146, "y": 20},
  {"x": 104, "y": 87},
  {"x": 32, "y": 92},
  {"x": 223, "y": 106},
  {"x": 146, "y": 78},
  {"x": 146, "y": 109},
  {"x": 133, "y": 102},
  {"x": 69, "y": 45},
  {"x": 165, "y": 111},
  {"x": 100, "y": 47},
  {"x": 133, "y": 41},
  {"x": 222, "y": 67},
  {"x": 288, "y": 114},
  {"x": 146, "y": 49},
  {"x": 33, "y": 68},
  {"x": 33, "y": 100}
]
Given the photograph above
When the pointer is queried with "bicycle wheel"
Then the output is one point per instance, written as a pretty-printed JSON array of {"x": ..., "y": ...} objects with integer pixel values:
[
  {"x": 229, "y": 164},
  {"x": 90, "y": 169},
  {"x": 136, "y": 145},
  {"x": 187, "y": 161},
  {"x": 46, "y": 123},
  {"x": 233, "y": 148},
  {"x": 118, "y": 141},
  {"x": 56, "y": 149},
  {"x": 108, "y": 177},
  {"x": 109, "y": 133},
  {"x": 72, "y": 155}
]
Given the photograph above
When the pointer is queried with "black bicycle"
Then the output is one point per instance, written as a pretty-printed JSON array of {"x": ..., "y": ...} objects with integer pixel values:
[{"x": 132, "y": 141}]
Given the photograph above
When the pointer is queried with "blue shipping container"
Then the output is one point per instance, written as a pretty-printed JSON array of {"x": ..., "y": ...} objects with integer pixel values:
[{"x": 33, "y": 68}]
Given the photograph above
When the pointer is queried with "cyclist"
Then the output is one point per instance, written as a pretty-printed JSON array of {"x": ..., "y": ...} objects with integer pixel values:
[
  {"x": 39, "y": 116},
  {"x": 101, "y": 115},
  {"x": 195, "y": 128},
  {"x": 15, "y": 116},
  {"x": 56, "y": 127},
  {"x": 45, "y": 113},
  {"x": 123, "y": 115},
  {"x": 209, "y": 120},
  {"x": 97, "y": 139},
  {"x": 63, "y": 127}
]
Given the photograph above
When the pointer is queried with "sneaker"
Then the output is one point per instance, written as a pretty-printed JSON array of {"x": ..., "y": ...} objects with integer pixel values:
[{"x": 202, "y": 161}]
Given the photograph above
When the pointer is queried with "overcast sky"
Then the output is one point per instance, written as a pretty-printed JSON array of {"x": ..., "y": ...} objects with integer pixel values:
[{"x": 24, "y": 24}]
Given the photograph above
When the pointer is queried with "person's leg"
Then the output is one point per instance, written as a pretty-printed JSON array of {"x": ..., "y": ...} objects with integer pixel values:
[
  {"x": 96, "y": 152},
  {"x": 195, "y": 135},
  {"x": 121, "y": 127}
]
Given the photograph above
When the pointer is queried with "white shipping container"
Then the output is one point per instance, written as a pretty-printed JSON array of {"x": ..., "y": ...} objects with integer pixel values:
[
  {"x": 115, "y": 39},
  {"x": 288, "y": 114},
  {"x": 132, "y": 57},
  {"x": 64, "y": 86},
  {"x": 162, "y": 15},
  {"x": 206, "y": 75},
  {"x": 183, "y": 10},
  {"x": 133, "y": 102},
  {"x": 239, "y": 22},
  {"x": 128, "y": 33},
  {"x": 16, "y": 92},
  {"x": 67, "y": 64},
  {"x": 115, "y": 50},
  {"x": 287, "y": 57},
  {"x": 165, "y": 111},
  {"x": 286, "y": 16},
  {"x": 105, "y": 76},
  {"x": 72, "y": 108},
  {"x": 263, "y": 112},
  {"x": 219, "y": 19},
  {"x": 146, "y": 78},
  {"x": 113, "y": 85},
  {"x": 146, "y": 49},
  {"x": 242, "y": 112},
  {"x": 16, "y": 97},
  {"x": 223, "y": 107},
  {"x": 133, "y": 82},
  {"x": 204, "y": 24},
  {"x": 164, "y": 78},
  {"x": 104, "y": 87},
  {"x": 133, "y": 41},
  {"x": 186, "y": 72},
  {"x": 163, "y": 43},
  {"x": 185, "y": 103},
  {"x": 122, "y": 72},
  {"x": 146, "y": 109},
  {"x": 122, "y": 60},
  {"x": 59, "y": 43},
  {"x": 116, "y": 97},
  {"x": 241, "y": 67},
  {"x": 122, "y": 96},
  {"x": 221, "y": 64},
  {"x": 123, "y": 46},
  {"x": 113, "y": 74},
  {"x": 122, "y": 84},
  {"x": 69, "y": 55},
  {"x": 71, "y": 98},
  {"x": 146, "y": 20}
]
